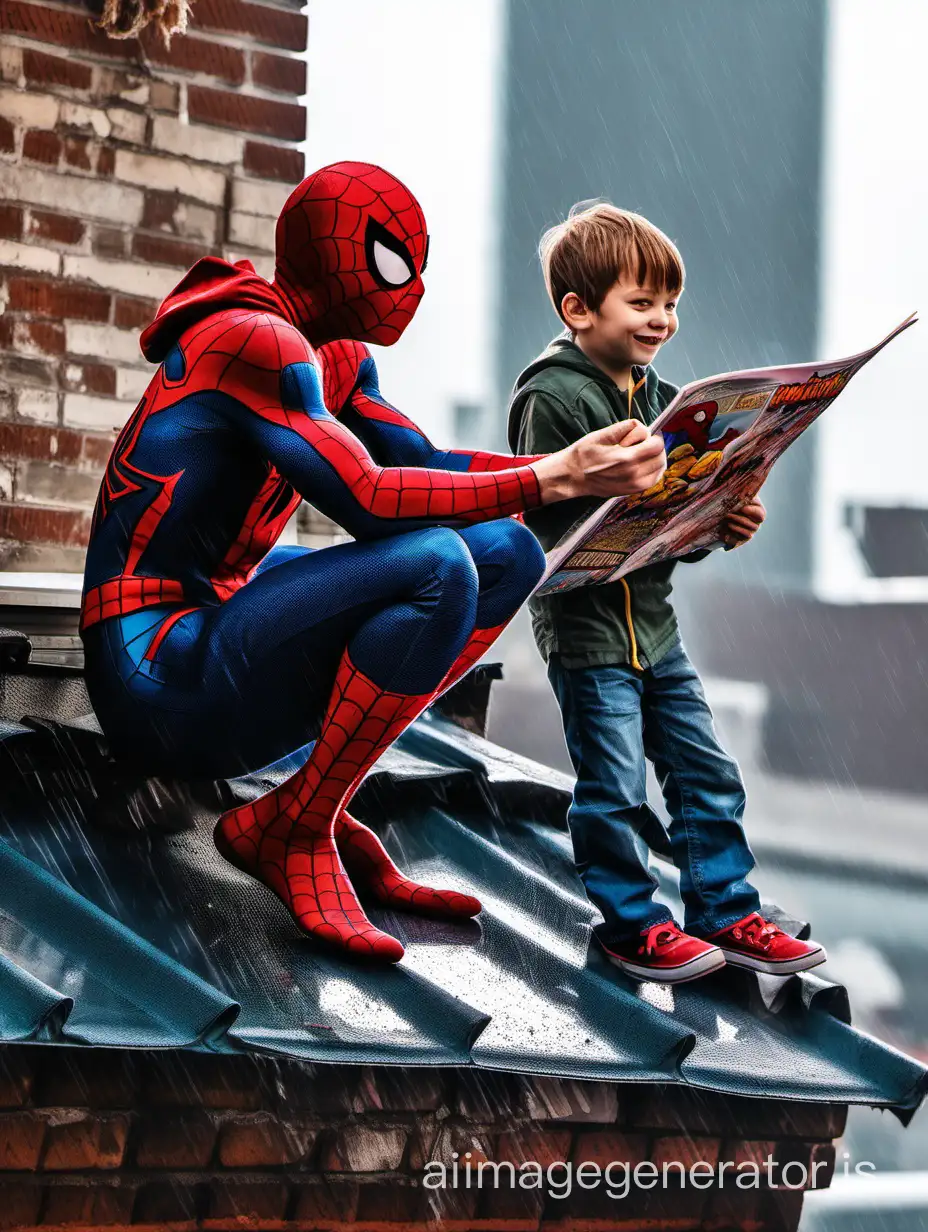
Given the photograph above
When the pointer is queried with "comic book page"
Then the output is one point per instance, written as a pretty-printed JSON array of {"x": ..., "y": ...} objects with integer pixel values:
[{"x": 722, "y": 436}]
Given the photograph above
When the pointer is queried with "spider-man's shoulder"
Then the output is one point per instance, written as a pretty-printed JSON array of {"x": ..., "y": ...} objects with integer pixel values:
[
  {"x": 258, "y": 339},
  {"x": 345, "y": 365}
]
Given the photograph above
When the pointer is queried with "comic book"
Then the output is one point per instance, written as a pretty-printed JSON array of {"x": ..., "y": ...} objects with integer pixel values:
[{"x": 722, "y": 436}]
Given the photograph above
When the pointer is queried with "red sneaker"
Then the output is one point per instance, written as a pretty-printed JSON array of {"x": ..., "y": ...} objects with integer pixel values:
[
  {"x": 757, "y": 943},
  {"x": 667, "y": 955}
]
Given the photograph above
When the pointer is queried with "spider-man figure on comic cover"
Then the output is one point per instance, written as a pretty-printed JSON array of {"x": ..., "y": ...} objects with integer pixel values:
[{"x": 218, "y": 653}]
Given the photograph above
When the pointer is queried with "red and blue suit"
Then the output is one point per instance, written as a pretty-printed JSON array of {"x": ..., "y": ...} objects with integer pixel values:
[{"x": 209, "y": 652}]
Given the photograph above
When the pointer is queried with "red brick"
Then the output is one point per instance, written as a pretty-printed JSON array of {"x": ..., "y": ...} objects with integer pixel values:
[
  {"x": 56, "y": 227},
  {"x": 76, "y": 31},
  {"x": 41, "y": 147},
  {"x": 80, "y": 1082},
  {"x": 33, "y": 524},
  {"x": 7, "y": 136},
  {"x": 274, "y": 162},
  {"x": 19, "y": 1204},
  {"x": 96, "y": 452},
  {"x": 109, "y": 242},
  {"x": 328, "y": 1092},
  {"x": 685, "y": 1150},
  {"x": 324, "y": 1201},
  {"x": 754, "y": 1151},
  {"x": 77, "y": 153},
  {"x": 92, "y": 1142},
  {"x": 106, "y": 161},
  {"x": 176, "y": 1140},
  {"x": 246, "y": 113},
  {"x": 543, "y": 1146},
  {"x": 162, "y": 251},
  {"x": 263, "y": 1141},
  {"x": 248, "y": 1203},
  {"x": 265, "y": 25},
  {"x": 404, "y": 1089},
  {"x": 165, "y": 1202},
  {"x": 286, "y": 74},
  {"x": 206, "y": 1081},
  {"x": 517, "y": 1209},
  {"x": 58, "y": 299},
  {"x": 15, "y": 1070},
  {"x": 134, "y": 313},
  {"x": 45, "y": 70},
  {"x": 196, "y": 55},
  {"x": 159, "y": 208},
  {"x": 802, "y": 1156},
  {"x": 606, "y": 1146},
  {"x": 822, "y": 1165},
  {"x": 21, "y": 1133},
  {"x": 388, "y": 1202},
  {"x": 88, "y": 1205},
  {"x": 56, "y": 1083},
  {"x": 11, "y": 222},
  {"x": 89, "y": 378},
  {"x": 44, "y": 336}
]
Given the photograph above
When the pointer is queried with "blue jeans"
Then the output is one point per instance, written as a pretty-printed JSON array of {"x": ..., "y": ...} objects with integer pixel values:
[{"x": 615, "y": 718}]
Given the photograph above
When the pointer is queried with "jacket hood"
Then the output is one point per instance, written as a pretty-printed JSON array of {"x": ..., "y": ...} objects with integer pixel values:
[
  {"x": 563, "y": 352},
  {"x": 209, "y": 286}
]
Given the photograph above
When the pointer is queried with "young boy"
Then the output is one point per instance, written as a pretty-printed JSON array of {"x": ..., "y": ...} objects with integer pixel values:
[{"x": 626, "y": 689}]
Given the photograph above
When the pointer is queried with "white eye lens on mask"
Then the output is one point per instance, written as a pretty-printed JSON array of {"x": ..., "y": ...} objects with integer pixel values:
[{"x": 389, "y": 265}]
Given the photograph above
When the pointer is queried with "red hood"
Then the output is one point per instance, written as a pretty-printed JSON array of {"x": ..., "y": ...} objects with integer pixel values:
[{"x": 209, "y": 286}]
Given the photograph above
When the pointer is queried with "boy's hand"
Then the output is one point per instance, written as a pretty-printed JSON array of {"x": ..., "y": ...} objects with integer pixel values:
[
  {"x": 614, "y": 461},
  {"x": 743, "y": 523}
]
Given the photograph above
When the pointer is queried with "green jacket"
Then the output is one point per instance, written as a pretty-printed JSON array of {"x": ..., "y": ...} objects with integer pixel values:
[{"x": 557, "y": 399}]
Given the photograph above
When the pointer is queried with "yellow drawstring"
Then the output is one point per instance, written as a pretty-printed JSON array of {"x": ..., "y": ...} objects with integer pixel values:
[{"x": 632, "y": 640}]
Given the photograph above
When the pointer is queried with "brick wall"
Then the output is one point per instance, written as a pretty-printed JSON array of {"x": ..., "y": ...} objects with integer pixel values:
[
  {"x": 92, "y": 1138},
  {"x": 122, "y": 163}
]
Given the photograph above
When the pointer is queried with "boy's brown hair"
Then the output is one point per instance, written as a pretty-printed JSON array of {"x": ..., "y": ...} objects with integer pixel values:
[{"x": 596, "y": 245}]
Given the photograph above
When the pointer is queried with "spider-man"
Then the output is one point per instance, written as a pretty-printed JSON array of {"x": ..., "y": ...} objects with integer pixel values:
[{"x": 216, "y": 653}]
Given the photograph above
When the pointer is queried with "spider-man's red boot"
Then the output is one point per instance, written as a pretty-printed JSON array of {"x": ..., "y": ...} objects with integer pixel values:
[
  {"x": 475, "y": 648},
  {"x": 366, "y": 858},
  {"x": 369, "y": 866},
  {"x": 305, "y": 872},
  {"x": 285, "y": 838}
]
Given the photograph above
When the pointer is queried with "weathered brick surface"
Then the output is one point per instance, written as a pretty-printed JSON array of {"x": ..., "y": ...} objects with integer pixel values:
[
  {"x": 83, "y": 1204},
  {"x": 365, "y": 1148},
  {"x": 247, "y": 113},
  {"x": 58, "y": 228},
  {"x": 220, "y": 1142},
  {"x": 173, "y": 1140},
  {"x": 21, "y": 1137},
  {"x": 121, "y": 161},
  {"x": 271, "y": 26},
  {"x": 19, "y": 1204},
  {"x": 246, "y": 1202},
  {"x": 274, "y": 162},
  {"x": 264, "y": 1141},
  {"x": 87, "y": 1141},
  {"x": 285, "y": 74}
]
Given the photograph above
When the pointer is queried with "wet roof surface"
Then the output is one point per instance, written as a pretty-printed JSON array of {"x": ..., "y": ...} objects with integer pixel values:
[{"x": 112, "y": 935}]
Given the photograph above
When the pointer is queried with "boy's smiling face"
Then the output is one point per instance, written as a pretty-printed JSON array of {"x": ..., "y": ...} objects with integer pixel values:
[{"x": 630, "y": 326}]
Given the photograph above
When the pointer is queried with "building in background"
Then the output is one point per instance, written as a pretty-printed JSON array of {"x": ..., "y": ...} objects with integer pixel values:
[
  {"x": 415, "y": 87},
  {"x": 778, "y": 144}
]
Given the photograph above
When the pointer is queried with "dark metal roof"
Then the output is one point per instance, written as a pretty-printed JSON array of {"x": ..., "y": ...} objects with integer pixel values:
[{"x": 114, "y": 935}]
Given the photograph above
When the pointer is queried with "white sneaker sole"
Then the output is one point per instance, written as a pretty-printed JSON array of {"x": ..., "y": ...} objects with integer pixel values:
[
  {"x": 787, "y": 967},
  {"x": 695, "y": 969}
]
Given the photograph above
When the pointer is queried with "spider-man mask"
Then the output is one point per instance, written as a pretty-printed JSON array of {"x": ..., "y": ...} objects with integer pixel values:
[{"x": 351, "y": 248}]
